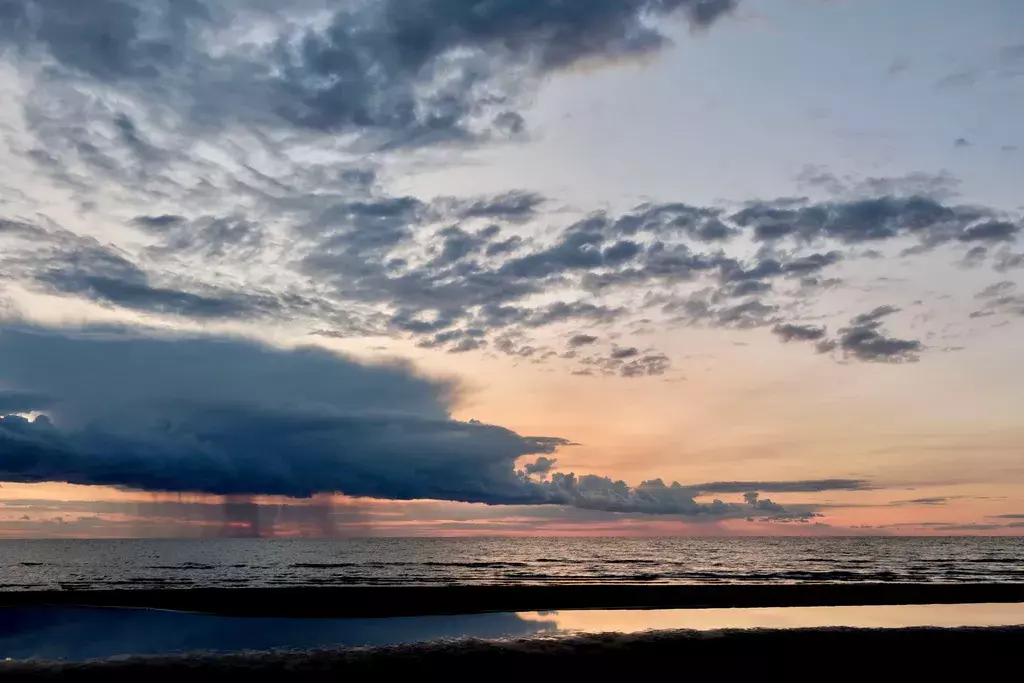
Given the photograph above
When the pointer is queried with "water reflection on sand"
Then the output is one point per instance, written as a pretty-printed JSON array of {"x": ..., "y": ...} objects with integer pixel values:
[
  {"x": 898, "y": 616},
  {"x": 80, "y": 634}
]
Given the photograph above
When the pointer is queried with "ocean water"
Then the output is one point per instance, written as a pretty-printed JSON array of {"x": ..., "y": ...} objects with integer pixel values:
[{"x": 50, "y": 564}]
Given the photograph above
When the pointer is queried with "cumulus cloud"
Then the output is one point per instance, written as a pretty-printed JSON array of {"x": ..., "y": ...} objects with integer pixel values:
[
  {"x": 541, "y": 467},
  {"x": 226, "y": 416},
  {"x": 131, "y": 408}
]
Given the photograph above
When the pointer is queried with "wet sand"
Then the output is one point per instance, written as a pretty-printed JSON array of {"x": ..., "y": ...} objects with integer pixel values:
[
  {"x": 913, "y": 654},
  {"x": 403, "y": 601}
]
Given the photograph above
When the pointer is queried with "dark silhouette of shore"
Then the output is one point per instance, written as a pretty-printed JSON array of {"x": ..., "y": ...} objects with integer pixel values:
[{"x": 399, "y": 601}]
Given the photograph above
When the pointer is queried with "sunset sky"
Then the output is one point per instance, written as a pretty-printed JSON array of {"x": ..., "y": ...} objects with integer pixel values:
[{"x": 475, "y": 267}]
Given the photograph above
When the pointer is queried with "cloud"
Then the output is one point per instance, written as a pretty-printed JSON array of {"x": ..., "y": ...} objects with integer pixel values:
[
  {"x": 939, "y": 186},
  {"x": 542, "y": 467},
  {"x": 578, "y": 340},
  {"x": 210, "y": 236},
  {"x": 698, "y": 310},
  {"x": 651, "y": 365},
  {"x": 1000, "y": 298},
  {"x": 864, "y": 340},
  {"x": 592, "y": 492},
  {"x": 439, "y": 72},
  {"x": 788, "y": 332},
  {"x": 624, "y": 353},
  {"x": 969, "y": 527},
  {"x": 133, "y": 408},
  {"x": 990, "y": 231},
  {"x": 363, "y": 261},
  {"x": 225, "y": 416},
  {"x": 800, "y": 486},
  {"x": 54, "y": 260},
  {"x": 132, "y": 90},
  {"x": 863, "y": 220},
  {"x": 23, "y": 402}
]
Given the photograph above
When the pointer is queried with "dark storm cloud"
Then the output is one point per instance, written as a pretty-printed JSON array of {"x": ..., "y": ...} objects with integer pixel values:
[
  {"x": 231, "y": 417},
  {"x": 234, "y": 517},
  {"x": 423, "y": 72},
  {"x": 22, "y": 402},
  {"x": 108, "y": 39},
  {"x": 364, "y": 69},
  {"x": 226, "y": 416}
]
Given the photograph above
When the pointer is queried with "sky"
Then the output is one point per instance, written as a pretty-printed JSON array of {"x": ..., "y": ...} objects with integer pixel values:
[{"x": 511, "y": 267}]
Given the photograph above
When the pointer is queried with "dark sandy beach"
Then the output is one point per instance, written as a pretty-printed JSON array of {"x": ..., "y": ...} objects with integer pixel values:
[
  {"x": 945, "y": 654},
  {"x": 398, "y": 601}
]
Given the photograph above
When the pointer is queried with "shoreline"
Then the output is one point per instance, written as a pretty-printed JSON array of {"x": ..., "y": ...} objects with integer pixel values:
[{"x": 417, "y": 601}]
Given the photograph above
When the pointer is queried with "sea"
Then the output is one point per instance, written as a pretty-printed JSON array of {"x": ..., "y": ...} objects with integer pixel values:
[{"x": 131, "y": 564}]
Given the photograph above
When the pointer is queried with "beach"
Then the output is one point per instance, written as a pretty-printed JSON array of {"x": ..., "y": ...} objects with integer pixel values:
[{"x": 729, "y": 655}]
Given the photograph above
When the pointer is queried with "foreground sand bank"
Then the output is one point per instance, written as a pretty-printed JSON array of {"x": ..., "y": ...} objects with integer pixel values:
[{"x": 727, "y": 655}]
